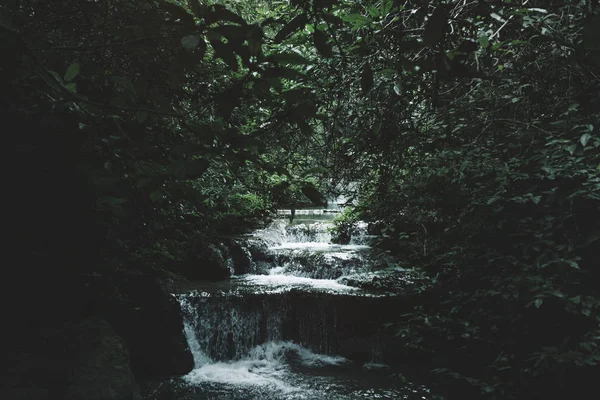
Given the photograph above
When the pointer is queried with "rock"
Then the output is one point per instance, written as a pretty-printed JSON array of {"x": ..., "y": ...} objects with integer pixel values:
[
  {"x": 240, "y": 256},
  {"x": 149, "y": 320},
  {"x": 207, "y": 262},
  {"x": 103, "y": 371},
  {"x": 259, "y": 250},
  {"x": 172, "y": 389},
  {"x": 395, "y": 280}
]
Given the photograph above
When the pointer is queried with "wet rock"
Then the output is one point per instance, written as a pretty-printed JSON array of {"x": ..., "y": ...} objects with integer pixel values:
[
  {"x": 396, "y": 280},
  {"x": 258, "y": 250},
  {"x": 240, "y": 256},
  {"x": 206, "y": 262},
  {"x": 150, "y": 321},
  {"x": 375, "y": 227},
  {"x": 103, "y": 371}
]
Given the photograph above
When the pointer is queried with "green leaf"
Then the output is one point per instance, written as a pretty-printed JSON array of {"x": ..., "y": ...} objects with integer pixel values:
[
  {"x": 386, "y": 7},
  {"x": 584, "y": 139},
  {"x": 71, "y": 87},
  {"x": 56, "y": 76},
  {"x": 373, "y": 11},
  {"x": 366, "y": 79},
  {"x": 72, "y": 72},
  {"x": 320, "y": 41},
  {"x": 295, "y": 24},
  {"x": 313, "y": 194},
  {"x": 358, "y": 20}
]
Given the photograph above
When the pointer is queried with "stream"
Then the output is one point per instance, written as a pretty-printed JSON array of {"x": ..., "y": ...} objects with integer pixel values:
[{"x": 294, "y": 331}]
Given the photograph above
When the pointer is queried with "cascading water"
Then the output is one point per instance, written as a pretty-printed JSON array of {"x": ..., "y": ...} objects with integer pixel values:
[{"x": 294, "y": 332}]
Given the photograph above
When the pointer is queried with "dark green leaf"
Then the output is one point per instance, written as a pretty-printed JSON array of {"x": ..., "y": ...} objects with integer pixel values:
[
  {"x": 313, "y": 194},
  {"x": 71, "y": 72},
  {"x": 359, "y": 20},
  {"x": 295, "y": 24},
  {"x": 320, "y": 41},
  {"x": 386, "y": 7},
  {"x": 584, "y": 139}
]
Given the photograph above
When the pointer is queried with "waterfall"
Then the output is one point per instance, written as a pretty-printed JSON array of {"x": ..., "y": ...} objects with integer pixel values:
[{"x": 296, "y": 331}]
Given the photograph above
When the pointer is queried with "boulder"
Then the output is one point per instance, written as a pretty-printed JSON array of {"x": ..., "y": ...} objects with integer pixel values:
[
  {"x": 102, "y": 371},
  {"x": 150, "y": 321},
  {"x": 259, "y": 250},
  {"x": 240, "y": 256},
  {"x": 206, "y": 262}
]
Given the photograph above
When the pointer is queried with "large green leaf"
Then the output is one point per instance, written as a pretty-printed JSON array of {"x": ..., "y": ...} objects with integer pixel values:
[
  {"x": 313, "y": 194},
  {"x": 295, "y": 24}
]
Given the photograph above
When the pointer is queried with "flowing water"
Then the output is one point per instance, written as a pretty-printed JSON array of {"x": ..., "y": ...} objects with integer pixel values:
[{"x": 295, "y": 332}]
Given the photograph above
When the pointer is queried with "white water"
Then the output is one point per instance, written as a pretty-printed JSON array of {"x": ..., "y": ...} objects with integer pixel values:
[
  {"x": 275, "y": 280},
  {"x": 266, "y": 365},
  {"x": 277, "y": 369}
]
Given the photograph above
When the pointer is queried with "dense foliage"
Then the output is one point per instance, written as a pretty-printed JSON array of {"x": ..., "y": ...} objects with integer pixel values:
[{"x": 468, "y": 130}]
